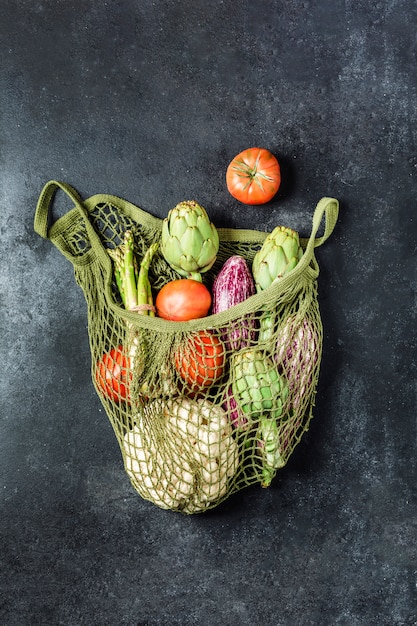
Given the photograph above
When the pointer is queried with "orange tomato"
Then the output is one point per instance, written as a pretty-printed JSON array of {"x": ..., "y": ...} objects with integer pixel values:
[
  {"x": 201, "y": 360},
  {"x": 254, "y": 176},
  {"x": 113, "y": 375},
  {"x": 182, "y": 300}
]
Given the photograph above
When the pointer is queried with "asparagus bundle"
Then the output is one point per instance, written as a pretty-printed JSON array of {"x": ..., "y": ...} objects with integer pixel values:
[
  {"x": 136, "y": 294},
  {"x": 133, "y": 282}
]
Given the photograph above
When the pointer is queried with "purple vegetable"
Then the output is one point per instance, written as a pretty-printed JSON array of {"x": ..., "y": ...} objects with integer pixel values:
[
  {"x": 237, "y": 417},
  {"x": 234, "y": 284},
  {"x": 297, "y": 350}
]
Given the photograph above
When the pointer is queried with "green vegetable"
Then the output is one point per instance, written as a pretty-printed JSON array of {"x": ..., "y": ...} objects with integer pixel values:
[
  {"x": 189, "y": 241},
  {"x": 261, "y": 393},
  {"x": 269, "y": 442},
  {"x": 144, "y": 290},
  {"x": 136, "y": 293},
  {"x": 280, "y": 253},
  {"x": 129, "y": 275},
  {"x": 256, "y": 384},
  {"x": 133, "y": 282}
]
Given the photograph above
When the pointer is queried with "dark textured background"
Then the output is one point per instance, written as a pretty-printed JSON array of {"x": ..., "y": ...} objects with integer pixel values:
[{"x": 149, "y": 101}]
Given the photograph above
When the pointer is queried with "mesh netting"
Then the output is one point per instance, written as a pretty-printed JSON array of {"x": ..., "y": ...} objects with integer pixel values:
[{"x": 204, "y": 408}]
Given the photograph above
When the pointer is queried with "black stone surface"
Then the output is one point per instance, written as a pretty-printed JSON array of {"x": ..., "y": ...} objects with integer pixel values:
[{"x": 150, "y": 101}]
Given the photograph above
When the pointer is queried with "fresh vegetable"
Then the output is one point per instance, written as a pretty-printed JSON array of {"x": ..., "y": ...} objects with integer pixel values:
[
  {"x": 279, "y": 254},
  {"x": 113, "y": 375},
  {"x": 183, "y": 299},
  {"x": 181, "y": 454},
  {"x": 270, "y": 444},
  {"x": 189, "y": 241},
  {"x": 237, "y": 417},
  {"x": 257, "y": 385},
  {"x": 136, "y": 293},
  {"x": 253, "y": 176},
  {"x": 232, "y": 285},
  {"x": 297, "y": 352},
  {"x": 261, "y": 393},
  {"x": 144, "y": 296},
  {"x": 200, "y": 360},
  {"x": 133, "y": 282}
]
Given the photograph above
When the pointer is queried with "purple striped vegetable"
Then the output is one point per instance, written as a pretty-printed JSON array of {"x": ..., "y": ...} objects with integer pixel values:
[
  {"x": 297, "y": 350},
  {"x": 237, "y": 417},
  {"x": 234, "y": 284}
]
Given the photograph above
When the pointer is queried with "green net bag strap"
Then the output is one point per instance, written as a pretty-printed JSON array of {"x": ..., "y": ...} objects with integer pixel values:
[
  {"x": 87, "y": 229},
  {"x": 329, "y": 208},
  {"x": 57, "y": 231}
]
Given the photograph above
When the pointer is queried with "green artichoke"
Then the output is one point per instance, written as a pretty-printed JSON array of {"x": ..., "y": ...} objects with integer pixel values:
[
  {"x": 261, "y": 393},
  {"x": 257, "y": 386},
  {"x": 279, "y": 254},
  {"x": 189, "y": 241}
]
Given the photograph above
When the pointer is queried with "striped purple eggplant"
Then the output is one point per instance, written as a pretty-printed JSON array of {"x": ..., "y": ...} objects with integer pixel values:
[
  {"x": 234, "y": 284},
  {"x": 237, "y": 417},
  {"x": 297, "y": 351}
]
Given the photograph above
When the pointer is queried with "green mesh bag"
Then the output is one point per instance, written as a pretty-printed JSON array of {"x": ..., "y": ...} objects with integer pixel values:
[{"x": 197, "y": 416}]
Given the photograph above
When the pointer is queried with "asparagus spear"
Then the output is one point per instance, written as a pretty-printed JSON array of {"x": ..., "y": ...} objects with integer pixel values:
[
  {"x": 117, "y": 257},
  {"x": 144, "y": 293},
  {"x": 133, "y": 284},
  {"x": 128, "y": 273},
  {"x": 135, "y": 291}
]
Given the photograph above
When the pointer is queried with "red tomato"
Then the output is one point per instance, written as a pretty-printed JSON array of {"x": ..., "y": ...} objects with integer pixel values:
[
  {"x": 113, "y": 374},
  {"x": 254, "y": 176},
  {"x": 201, "y": 361},
  {"x": 182, "y": 300}
]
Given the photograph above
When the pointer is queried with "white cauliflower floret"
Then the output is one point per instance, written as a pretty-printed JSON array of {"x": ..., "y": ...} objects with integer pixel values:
[
  {"x": 156, "y": 476},
  {"x": 181, "y": 454}
]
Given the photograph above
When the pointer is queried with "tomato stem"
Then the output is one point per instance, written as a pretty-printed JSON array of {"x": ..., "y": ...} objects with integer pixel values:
[{"x": 246, "y": 171}]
